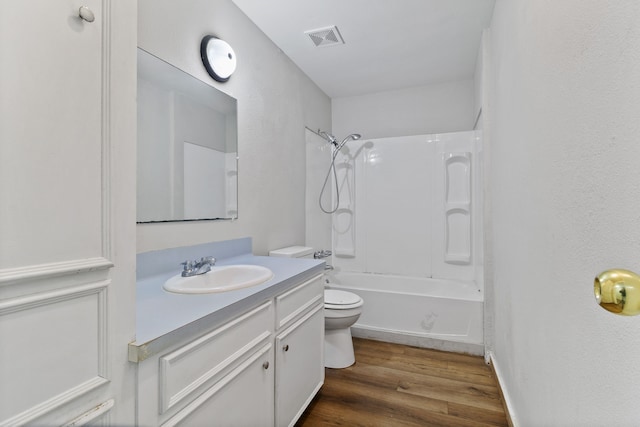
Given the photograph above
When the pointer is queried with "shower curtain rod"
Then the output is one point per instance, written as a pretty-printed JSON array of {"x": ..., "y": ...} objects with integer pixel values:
[
  {"x": 477, "y": 119},
  {"x": 316, "y": 132}
]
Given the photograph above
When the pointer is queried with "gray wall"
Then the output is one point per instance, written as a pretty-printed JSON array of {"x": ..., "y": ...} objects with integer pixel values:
[{"x": 275, "y": 101}]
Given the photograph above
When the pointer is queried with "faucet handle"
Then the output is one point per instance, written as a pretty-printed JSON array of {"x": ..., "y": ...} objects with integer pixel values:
[
  {"x": 187, "y": 266},
  {"x": 208, "y": 260}
]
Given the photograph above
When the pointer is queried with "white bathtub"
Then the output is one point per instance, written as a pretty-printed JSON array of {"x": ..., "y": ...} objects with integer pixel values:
[{"x": 432, "y": 313}]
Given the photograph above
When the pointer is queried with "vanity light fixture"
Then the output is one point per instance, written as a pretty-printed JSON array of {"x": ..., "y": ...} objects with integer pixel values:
[{"x": 218, "y": 58}]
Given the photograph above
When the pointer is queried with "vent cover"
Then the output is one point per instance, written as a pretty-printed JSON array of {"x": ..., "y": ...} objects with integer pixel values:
[{"x": 328, "y": 36}]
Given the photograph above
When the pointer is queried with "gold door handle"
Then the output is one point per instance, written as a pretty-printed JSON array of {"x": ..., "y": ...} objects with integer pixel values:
[{"x": 618, "y": 291}]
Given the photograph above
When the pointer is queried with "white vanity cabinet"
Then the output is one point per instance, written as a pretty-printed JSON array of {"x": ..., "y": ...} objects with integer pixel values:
[{"x": 262, "y": 367}]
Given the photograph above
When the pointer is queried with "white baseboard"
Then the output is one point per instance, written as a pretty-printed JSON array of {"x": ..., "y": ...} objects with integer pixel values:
[
  {"x": 508, "y": 404},
  {"x": 418, "y": 341}
]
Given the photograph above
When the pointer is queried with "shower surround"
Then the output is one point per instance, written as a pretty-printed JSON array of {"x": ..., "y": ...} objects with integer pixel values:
[{"x": 407, "y": 237}]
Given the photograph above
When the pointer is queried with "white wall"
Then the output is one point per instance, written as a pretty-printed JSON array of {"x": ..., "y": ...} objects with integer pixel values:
[
  {"x": 318, "y": 223},
  {"x": 564, "y": 174},
  {"x": 275, "y": 101},
  {"x": 437, "y": 108}
]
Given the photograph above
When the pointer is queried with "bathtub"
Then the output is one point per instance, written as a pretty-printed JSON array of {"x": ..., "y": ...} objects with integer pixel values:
[{"x": 432, "y": 313}]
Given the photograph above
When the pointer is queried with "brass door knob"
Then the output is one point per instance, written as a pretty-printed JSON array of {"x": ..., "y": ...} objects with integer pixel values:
[{"x": 618, "y": 291}]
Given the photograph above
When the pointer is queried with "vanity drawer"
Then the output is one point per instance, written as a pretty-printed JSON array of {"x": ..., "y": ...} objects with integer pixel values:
[
  {"x": 200, "y": 363},
  {"x": 299, "y": 300}
]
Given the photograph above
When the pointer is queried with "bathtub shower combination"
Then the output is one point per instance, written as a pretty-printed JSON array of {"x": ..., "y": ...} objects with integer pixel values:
[{"x": 406, "y": 237}]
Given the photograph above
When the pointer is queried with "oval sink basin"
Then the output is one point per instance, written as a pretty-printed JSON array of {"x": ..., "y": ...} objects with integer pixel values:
[{"x": 219, "y": 279}]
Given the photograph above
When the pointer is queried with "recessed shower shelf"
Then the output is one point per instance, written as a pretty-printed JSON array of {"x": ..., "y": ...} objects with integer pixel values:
[{"x": 457, "y": 207}]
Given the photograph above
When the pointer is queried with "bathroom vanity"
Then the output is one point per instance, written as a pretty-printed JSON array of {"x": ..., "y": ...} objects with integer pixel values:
[{"x": 249, "y": 357}]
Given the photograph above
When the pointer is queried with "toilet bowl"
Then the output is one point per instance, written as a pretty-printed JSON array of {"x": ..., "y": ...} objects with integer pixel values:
[{"x": 341, "y": 310}]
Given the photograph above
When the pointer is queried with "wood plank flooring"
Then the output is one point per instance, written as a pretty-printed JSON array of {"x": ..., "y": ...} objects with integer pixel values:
[{"x": 397, "y": 385}]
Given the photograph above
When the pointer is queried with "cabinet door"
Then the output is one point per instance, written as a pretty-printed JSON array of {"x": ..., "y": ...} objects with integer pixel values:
[
  {"x": 242, "y": 398},
  {"x": 299, "y": 366}
]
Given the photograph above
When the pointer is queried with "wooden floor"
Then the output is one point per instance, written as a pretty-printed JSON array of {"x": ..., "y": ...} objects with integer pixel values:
[{"x": 396, "y": 385}]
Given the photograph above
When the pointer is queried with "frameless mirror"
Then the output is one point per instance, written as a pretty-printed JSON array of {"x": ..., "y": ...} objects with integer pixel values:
[{"x": 187, "y": 146}]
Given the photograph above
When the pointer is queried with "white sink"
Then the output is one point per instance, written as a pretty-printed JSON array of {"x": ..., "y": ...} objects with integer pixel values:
[{"x": 219, "y": 279}]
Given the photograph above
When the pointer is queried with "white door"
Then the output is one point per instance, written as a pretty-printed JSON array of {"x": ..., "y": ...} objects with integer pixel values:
[{"x": 67, "y": 222}]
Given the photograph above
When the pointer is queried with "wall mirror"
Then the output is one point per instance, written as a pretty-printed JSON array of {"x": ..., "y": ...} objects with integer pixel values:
[{"x": 187, "y": 166}]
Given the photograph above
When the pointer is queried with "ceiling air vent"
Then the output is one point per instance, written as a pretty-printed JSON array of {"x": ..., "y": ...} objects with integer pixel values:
[{"x": 328, "y": 36}]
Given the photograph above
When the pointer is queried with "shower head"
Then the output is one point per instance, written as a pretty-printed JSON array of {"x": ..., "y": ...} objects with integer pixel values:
[{"x": 353, "y": 136}]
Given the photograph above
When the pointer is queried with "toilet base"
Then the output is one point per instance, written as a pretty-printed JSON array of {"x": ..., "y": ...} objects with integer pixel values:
[{"x": 338, "y": 348}]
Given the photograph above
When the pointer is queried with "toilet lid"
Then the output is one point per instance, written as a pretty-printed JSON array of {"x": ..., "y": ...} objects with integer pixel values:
[{"x": 334, "y": 297}]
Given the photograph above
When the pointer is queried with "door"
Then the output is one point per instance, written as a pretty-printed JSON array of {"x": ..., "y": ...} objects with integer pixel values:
[
  {"x": 67, "y": 225},
  {"x": 242, "y": 398}
]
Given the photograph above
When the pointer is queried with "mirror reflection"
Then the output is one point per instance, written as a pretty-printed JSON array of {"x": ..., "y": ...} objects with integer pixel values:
[{"x": 187, "y": 146}]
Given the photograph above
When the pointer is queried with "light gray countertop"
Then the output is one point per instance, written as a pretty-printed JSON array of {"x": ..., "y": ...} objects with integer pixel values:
[{"x": 164, "y": 318}]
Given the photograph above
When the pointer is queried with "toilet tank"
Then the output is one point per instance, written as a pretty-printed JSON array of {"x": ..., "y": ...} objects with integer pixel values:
[{"x": 293, "y": 252}]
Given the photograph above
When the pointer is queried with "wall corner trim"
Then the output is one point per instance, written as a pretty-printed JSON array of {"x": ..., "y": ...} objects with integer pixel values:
[{"x": 10, "y": 276}]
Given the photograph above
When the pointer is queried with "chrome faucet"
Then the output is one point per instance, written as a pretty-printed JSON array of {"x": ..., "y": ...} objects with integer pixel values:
[
  {"x": 194, "y": 268},
  {"x": 321, "y": 254}
]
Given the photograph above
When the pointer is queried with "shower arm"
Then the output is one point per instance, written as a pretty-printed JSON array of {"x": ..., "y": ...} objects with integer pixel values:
[{"x": 330, "y": 138}]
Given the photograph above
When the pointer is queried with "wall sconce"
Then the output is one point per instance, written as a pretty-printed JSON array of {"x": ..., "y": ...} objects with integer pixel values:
[
  {"x": 618, "y": 291},
  {"x": 218, "y": 58}
]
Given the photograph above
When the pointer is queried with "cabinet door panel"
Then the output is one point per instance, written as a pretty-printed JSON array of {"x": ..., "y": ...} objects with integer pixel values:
[
  {"x": 299, "y": 366},
  {"x": 243, "y": 398},
  {"x": 193, "y": 366}
]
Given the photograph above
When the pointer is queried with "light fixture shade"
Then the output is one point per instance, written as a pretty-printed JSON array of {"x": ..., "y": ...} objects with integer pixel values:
[{"x": 218, "y": 58}]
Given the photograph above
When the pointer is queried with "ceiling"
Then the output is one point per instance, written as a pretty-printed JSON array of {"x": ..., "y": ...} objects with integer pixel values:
[{"x": 389, "y": 44}]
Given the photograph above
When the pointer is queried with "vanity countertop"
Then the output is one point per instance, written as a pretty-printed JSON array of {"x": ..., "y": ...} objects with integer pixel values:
[{"x": 164, "y": 318}]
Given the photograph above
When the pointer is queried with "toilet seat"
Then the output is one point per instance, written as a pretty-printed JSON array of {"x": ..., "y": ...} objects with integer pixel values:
[{"x": 341, "y": 300}]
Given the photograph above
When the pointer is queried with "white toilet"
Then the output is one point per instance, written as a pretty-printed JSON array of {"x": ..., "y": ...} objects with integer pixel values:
[{"x": 341, "y": 310}]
